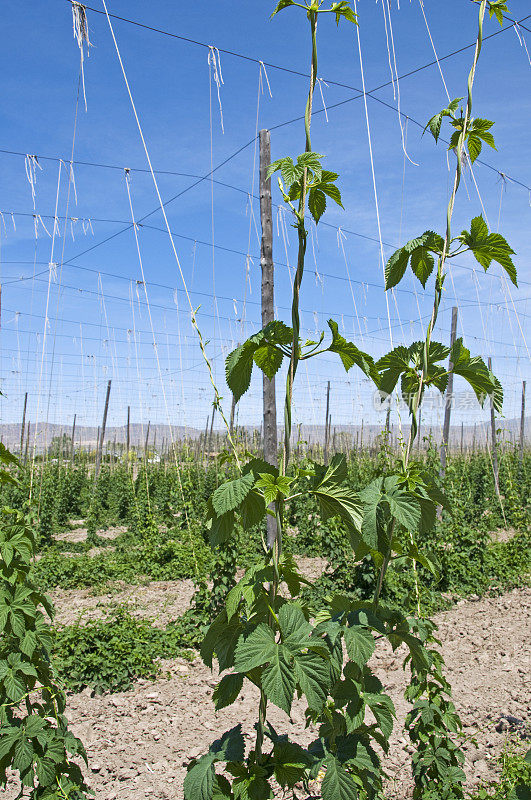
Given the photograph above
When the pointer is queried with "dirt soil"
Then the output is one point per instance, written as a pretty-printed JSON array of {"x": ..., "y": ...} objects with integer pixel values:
[
  {"x": 79, "y": 533},
  {"x": 139, "y": 741},
  {"x": 159, "y": 601}
]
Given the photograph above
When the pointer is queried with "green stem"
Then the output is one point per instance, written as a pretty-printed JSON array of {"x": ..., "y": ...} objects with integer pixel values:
[
  {"x": 439, "y": 281},
  {"x": 383, "y": 569},
  {"x": 273, "y": 591},
  {"x": 303, "y": 239},
  {"x": 294, "y": 359},
  {"x": 217, "y": 396}
]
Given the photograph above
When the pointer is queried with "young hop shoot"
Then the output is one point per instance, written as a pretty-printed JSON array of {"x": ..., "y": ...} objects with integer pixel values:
[{"x": 271, "y": 636}]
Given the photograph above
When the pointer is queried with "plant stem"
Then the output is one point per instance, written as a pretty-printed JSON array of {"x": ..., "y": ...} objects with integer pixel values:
[
  {"x": 273, "y": 590},
  {"x": 303, "y": 238},
  {"x": 217, "y": 396},
  {"x": 439, "y": 282},
  {"x": 292, "y": 369}
]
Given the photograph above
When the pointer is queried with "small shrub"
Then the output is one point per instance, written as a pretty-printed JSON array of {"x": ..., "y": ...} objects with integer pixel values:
[
  {"x": 108, "y": 655},
  {"x": 515, "y": 778}
]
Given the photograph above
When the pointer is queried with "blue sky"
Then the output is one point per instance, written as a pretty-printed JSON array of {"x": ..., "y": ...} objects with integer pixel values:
[{"x": 98, "y": 321}]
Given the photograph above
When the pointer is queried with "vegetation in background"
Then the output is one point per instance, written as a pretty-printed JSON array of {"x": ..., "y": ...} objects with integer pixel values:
[
  {"x": 515, "y": 778},
  {"x": 36, "y": 742},
  {"x": 108, "y": 655}
]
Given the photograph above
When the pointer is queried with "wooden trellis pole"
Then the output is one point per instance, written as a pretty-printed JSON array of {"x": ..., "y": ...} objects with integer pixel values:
[
  {"x": 101, "y": 436},
  {"x": 147, "y": 440},
  {"x": 327, "y": 424},
  {"x": 209, "y": 448},
  {"x": 522, "y": 425},
  {"x": 23, "y": 426},
  {"x": 128, "y": 434},
  {"x": 494, "y": 449},
  {"x": 268, "y": 312},
  {"x": 448, "y": 398},
  {"x": 72, "y": 446},
  {"x": 205, "y": 437},
  {"x": 232, "y": 414},
  {"x": 27, "y": 442}
]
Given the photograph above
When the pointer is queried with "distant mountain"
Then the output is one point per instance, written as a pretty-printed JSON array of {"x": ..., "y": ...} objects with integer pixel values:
[{"x": 346, "y": 435}]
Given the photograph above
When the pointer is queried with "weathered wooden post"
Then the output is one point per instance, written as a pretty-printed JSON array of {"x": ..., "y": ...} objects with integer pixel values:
[
  {"x": 448, "y": 398},
  {"x": 268, "y": 312},
  {"x": 101, "y": 436}
]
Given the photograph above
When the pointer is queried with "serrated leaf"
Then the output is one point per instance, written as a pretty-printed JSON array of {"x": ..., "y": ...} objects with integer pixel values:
[
  {"x": 435, "y": 122},
  {"x": 475, "y": 146},
  {"x": 269, "y": 359},
  {"x": 290, "y": 763},
  {"x": 6, "y": 456},
  {"x": 231, "y": 745},
  {"x": 221, "y": 528},
  {"x": 9, "y": 738},
  {"x": 14, "y": 686},
  {"x": 316, "y": 204},
  {"x": 332, "y": 191},
  {"x": 294, "y": 626},
  {"x": 312, "y": 161},
  {"x": 281, "y": 5},
  {"x": 336, "y": 472},
  {"x": 257, "y": 466},
  {"x": 337, "y": 783},
  {"x": 230, "y": 495},
  {"x": 359, "y": 643},
  {"x": 477, "y": 374},
  {"x": 221, "y": 639},
  {"x": 404, "y": 507},
  {"x": 340, "y": 501},
  {"x": 350, "y": 355},
  {"x": 328, "y": 177},
  {"x": 251, "y": 783},
  {"x": 423, "y": 558},
  {"x": 252, "y": 510},
  {"x": 227, "y": 690},
  {"x": 198, "y": 783},
  {"x": 395, "y": 268},
  {"x": 420, "y": 251},
  {"x": 422, "y": 264},
  {"x": 23, "y": 755},
  {"x": 221, "y": 789},
  {"x": 488, "y": 247},
  {"x": 278, "y": 680},
  {"x": 33, "y": 725},
  {"x": 256, "y": 649},
  {"x": 273, "y": 485},
  {"x": 290, "y": 574},
  {"x": 239, "y": 368},
  {"x": 313, "y": 675},
  {"x": 7, "y": 552},
  {"x": 384, "y": 713},
  {"x": 391, "y": 366},
  {"x": 277, "y": 332},
  {"x": 343, "y": 9},
  {"x": 46, "y": 771}
]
